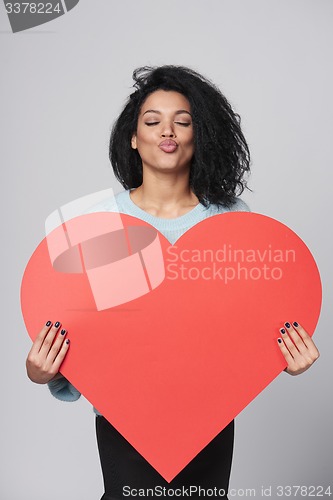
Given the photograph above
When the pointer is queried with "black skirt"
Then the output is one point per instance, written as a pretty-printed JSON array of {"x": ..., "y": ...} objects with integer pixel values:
[{"x": 125, "y": 471}]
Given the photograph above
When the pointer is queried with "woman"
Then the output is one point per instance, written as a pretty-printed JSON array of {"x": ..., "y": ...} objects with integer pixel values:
[{"x": 178, "y": 150}]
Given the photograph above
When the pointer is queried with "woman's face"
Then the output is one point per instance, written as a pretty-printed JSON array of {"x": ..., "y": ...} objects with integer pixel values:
[{"x": 164, "y": 135}]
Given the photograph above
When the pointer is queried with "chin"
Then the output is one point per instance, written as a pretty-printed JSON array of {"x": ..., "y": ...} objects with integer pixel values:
[{"x": 170, "y": 166}]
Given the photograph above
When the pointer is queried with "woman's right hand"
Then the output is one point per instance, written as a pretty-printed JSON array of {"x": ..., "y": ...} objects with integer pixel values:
[{"x": 47, "y": 353}]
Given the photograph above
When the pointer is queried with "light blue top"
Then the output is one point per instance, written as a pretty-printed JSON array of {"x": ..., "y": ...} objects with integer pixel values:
[{"x": 172, "y": 229}]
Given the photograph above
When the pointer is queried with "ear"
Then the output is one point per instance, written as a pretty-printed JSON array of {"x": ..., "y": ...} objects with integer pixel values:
[{"x": 133, "y": 142}]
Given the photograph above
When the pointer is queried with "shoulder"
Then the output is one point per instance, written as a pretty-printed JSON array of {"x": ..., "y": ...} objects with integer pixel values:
[
  {"x": 110, "y": 204},
  {"x": 238, "y": 206}
]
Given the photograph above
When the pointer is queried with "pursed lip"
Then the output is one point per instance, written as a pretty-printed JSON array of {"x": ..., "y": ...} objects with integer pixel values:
[{"x": 168, "y": 145}]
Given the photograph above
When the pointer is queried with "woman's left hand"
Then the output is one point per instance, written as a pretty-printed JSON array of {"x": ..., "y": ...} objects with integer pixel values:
[{"x": 297, "y": 347}]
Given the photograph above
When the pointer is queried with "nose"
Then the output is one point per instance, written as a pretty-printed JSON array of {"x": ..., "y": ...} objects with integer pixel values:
[{"x": 168, "y": 131}]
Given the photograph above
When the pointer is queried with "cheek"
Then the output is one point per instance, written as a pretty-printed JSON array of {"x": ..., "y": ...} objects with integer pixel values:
[
  {"x": 143, "y": 139},
  {"x": 190, "y": 140},
  {"x": 190, "y": 143}
]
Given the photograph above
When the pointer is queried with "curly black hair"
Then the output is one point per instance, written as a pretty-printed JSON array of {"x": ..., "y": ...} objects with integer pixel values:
[{"x": 221, "y": 154}]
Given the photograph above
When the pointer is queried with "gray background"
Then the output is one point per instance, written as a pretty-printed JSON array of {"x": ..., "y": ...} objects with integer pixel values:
[{"x": 62, "y": 85}]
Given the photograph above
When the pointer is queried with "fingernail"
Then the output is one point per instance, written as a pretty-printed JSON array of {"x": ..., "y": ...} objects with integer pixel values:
[
  {"x": 295, "y": 324},
  {"x": 57, "y": 324},
  {"x": 67, "y": 341},
  {"x": 287, "y": 325},
  {"x": 48, "y": 323},
  {"x": 279, "y": 341},
  {"x": 282, "y": 330},
  {"x": 63, "y": 332}
]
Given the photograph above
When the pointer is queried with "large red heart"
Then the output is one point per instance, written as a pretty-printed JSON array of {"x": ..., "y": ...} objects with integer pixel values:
[{"x": 173, "y": 367}]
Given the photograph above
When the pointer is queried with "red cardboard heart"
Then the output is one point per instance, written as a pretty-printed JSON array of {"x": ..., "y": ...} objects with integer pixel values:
[{"x": 171, "y": 368}]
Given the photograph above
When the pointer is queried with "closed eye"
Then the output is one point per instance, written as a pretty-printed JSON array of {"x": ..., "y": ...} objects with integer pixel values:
[{"x": 183, "y": 124}]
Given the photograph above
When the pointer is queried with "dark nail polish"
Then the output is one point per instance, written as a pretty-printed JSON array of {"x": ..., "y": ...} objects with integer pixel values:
[
  {"x": 279, "y": 341},
  {"x": 48, "y": 323},
  {"x": 282, "y": 330},
  {"x": 295, "y": 324},
  {"x": 67, "y": 341},
  {"x": 287, "y": 325},
  {"x": 57, "y": 324},
  {"x": 63, "y": 332}
]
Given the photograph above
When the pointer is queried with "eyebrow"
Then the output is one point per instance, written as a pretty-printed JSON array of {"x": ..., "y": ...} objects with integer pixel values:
[{"x": 179, "y": 112}]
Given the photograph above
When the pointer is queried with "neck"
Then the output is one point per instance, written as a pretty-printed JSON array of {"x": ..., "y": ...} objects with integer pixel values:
[{"x": 165, "y": 195}]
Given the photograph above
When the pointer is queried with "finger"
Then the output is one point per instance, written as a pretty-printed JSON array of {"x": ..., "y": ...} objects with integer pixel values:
[
  {"x": 296, "y": 339},
  {"x": 289, "y": 343},
  {"x": 287, "y": 356},
  {"x": 307, "y": 339},
  {"x": 48, "y": 340},
  {"x": 303, "y": 342},
  {"x": 40, "y": 338},
  {"x": 56, "y": 346},
  {"x": 61, "y": 355}
]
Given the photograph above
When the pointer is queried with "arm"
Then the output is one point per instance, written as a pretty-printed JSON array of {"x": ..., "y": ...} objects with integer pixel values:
[
  {"x": 62, "y": 389},
  {"x": 297, "y": 347},
  {"x": 45, "y": 358}
]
